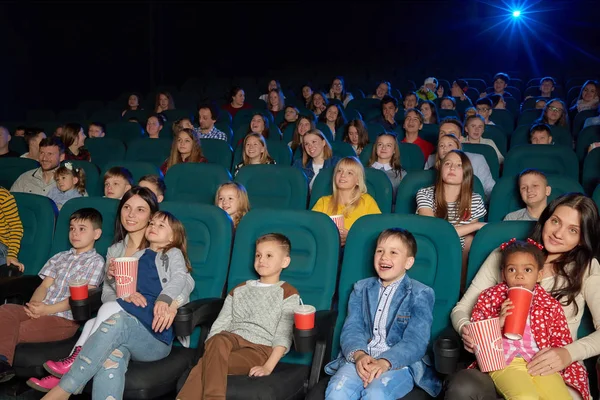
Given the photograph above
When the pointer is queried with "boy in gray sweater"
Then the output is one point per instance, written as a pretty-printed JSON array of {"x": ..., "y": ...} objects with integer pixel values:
[{"x": 254, "y": 328}]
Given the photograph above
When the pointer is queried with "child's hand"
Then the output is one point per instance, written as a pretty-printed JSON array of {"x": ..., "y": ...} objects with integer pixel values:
[
  {"x": 505, "y": 311},
  {"x": 137, "y": 299},
  {"x": 259, "y": 370},
  {"x": 377, "y": 368},
  {"x": 13, "y": 261},
  {"x": 467, "y": 340},
  {"x": 163, "y": 316},
  {"x": 363, "y": 361},
  {"x": 36, "y": 309},
  {"x": 111, "y": 268}
]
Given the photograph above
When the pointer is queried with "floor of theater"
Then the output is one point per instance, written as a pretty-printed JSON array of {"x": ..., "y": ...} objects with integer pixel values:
[{"x": 7, "y": 392}]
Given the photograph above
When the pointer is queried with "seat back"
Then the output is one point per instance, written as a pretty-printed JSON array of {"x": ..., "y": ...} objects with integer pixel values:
[
  {"x": 550, "y": 159},
  {"x": 92, "y": 176},
  {"x": 580, "y": 120},
  {"x": 107, "y": 207},
  {"x": 505, "y": 197},
  {"x": 342, "y": 149},
  {"x": 490, "y": 237},
  {"x": 591, "y": 171},
  {"x": 175, "y": 114},
  {"x": 504, "y": 120},
  {"x": 103, "y": 150},
  {"x": 437, "y": 263},
  {"x": 18, "y": 144},
  {"x": 124, "y": 131},
  {"x": 528, "y": 116},
  {"x": 274, "y": 186},
  {"x": 586, "y": 137},
  {"x": 154, "y": 151},
  {"x": 314, "y": 256},
  {"x": 38, "y": 216},
  {"x": 13, "y": 167},
  {"x": 183, "y": 185},
  {"x": 217, "y": 151},
  {"x": 596, "y": 196},
  {"x": 106, "y": 116},
  {"x": 406, "y": 197},
  {"x": 411, "y": 157},
  {"x": 499, "y": 137},
  {"x": 488, "y": 152}
]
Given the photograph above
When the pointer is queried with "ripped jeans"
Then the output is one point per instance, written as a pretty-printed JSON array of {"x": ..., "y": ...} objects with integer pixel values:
[
  {"x": 106, "y": 354},
  {"x": 347, "y": 385}
]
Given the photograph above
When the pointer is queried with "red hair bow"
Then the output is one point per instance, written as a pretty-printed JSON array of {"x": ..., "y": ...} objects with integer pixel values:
[
  {"x": 505, "y": 245},
  {"x": 536, "y": 244}
]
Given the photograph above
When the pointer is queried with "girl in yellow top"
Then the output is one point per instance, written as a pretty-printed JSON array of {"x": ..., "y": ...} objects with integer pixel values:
[{"x": 350, "y": 197}]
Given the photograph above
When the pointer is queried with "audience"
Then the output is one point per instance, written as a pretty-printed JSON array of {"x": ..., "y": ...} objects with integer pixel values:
[
  {"x": 41, "y": 180},
  {"x": 534, "y": 190},
  {"x": 117, "y": 181}
]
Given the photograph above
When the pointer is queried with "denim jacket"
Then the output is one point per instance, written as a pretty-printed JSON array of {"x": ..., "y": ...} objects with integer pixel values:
[
  {"x": 408, "y": 329},
  {"x": 308, "y": 170}
]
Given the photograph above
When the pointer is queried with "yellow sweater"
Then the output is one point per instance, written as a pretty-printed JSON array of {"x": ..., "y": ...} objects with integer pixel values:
[
  {"x": 366, "y": 205},
  {"x": 11, "y": 228}
]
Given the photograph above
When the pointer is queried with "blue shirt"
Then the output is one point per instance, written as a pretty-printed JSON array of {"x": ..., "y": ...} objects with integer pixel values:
[{"x": 61, "y": 198}]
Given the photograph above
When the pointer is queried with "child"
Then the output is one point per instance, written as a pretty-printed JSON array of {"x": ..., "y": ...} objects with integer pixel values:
[
  {"x": 546, "y": 327},
  {"x": 355, "y": 133},
  {"x": 96, "y": 130},
  {"x": 185, "y": 148},
  {"x": 255, "y": 152},
  {"x": 70, "y": 183},
  {"x": 233, "y": 199},
  {"x": 484, "y": 107},
  {"x": 381, "y": 353},
  {"x": 156, "y": 184},
  {"x": 540, "y": 134},
  {"x": 165, "y": 260},
  {"x": 534, "y": 189},
  {"x": 248, "y": 343},
  {"x": 11, "y": 230},
  {"x": 117, "y": 181},
  {"x": 47, "y": 316},
  {"x": 385, "y": 156}
]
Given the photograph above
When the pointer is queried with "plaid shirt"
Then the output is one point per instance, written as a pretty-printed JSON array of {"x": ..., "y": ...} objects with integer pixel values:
[
  {"x": 378, "y": 345},
  {"x": 66, "y": 266},
  {"x": 214, "y": 133},
  {"x": 525, "y": 348}
]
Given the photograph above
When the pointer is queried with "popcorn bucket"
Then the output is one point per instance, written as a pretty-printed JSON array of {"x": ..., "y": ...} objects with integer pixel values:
[
  {"x": 126, "y": 276},
  {"x": 489, "y": 349},
  {"x": 338, "y": 220}
]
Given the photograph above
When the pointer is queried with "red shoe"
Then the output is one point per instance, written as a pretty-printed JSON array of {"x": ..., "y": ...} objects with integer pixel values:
[
  {"x": 43, "y": 385},
  {"x": 61, "y": 367}
]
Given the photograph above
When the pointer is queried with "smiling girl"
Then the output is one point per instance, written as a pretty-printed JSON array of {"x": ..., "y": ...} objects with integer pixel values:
[{"x": 185, "y": 148}]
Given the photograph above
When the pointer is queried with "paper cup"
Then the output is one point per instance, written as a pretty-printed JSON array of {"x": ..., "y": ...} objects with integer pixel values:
[
  {"x": 489, "y": 349},
  {"x": 126, "y": 276},
  {"x": 304, "y": 317},
  {"x": 338, "y": 220},
  {"x": 514, "y": 325},
  {"x": 79, "y": 289}
]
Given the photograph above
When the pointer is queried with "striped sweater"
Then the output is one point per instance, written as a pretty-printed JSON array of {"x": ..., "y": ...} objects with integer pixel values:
[{"x": 11, "y": 228}]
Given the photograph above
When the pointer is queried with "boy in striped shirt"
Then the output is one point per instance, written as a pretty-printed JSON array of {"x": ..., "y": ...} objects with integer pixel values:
[{"x": 11, "y": 230}]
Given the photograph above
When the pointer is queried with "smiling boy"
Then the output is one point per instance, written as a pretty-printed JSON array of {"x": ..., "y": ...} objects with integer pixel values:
[{"x": 534, "y": 190}]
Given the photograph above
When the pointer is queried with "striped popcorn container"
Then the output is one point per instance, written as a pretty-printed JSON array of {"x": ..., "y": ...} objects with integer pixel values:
[
  {"x": 338, "y": 220},
  {"x": 489, "y": 350},
  {"x": 126, "y": 276}
]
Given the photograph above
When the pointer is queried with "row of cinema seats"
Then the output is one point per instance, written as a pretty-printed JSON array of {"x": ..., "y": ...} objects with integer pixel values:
[{"x": 219, "y": 263}]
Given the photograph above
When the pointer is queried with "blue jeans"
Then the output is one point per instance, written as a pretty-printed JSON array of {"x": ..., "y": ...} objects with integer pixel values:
[
  {"x": 347, "y": 385},
  {"x": 106, "y": 354},
  {"x": 3, "y": 253}
]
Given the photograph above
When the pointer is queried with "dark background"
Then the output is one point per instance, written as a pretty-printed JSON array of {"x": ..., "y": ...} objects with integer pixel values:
[{"x": 55, "y": 55}]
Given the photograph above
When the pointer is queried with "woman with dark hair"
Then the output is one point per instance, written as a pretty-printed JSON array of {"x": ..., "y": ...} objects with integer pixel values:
[
  {"x": 133, "y": 103},
  {"x": 333, "y": 117},
  {"x": 154, "y": 125},
  {"x": 554, "y": 113},
  {"x": 164, "y": 101},
  {"x": 237, "y": 101},
  {"x": 569, "y": 231},
  {"x": 73, "y": 139},
  {"x": 338, "y": 91}
]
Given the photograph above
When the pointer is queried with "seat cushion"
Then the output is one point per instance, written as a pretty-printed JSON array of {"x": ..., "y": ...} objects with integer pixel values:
[
  {"x": 318, "y": 392},
  {"x": 30, "y": 357}
]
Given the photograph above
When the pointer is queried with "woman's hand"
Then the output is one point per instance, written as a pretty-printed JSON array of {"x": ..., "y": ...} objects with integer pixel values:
[
  {"x": 549, "y": 360},
  {"x": 343, "y": 236},
  {"x": 163, "y": 316},
  {"x": 111, "y": 268},
  {"x": 468, "y": 340},
  {"x": 505, "y": 311},
  {"x": 137, "y": 299}
]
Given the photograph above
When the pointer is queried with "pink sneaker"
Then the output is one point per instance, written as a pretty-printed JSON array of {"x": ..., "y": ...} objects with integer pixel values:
[
  {"x": 61, "y": 367},
  {"x": 43, "y": 385}
]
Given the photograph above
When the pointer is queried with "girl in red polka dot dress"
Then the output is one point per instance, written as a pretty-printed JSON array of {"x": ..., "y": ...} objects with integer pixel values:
[{"x": 546, "y": 328}]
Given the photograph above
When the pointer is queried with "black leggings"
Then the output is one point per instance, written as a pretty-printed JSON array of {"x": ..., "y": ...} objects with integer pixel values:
[{"x": 470, "y": 384}]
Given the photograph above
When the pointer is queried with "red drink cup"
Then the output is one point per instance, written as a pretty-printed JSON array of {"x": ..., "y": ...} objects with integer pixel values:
[
  {"x": 338, "y": 220},
  {"x": 126, "y": 276},
  {"x": 304, "y": 317},
  {"x": 79, "y": 289},
  {"x": 489, "y": 349},
  {"x": 514, "y": 325}
]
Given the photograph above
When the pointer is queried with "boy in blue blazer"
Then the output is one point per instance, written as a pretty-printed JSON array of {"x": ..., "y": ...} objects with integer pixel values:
[{"x": 387, "y": 330}]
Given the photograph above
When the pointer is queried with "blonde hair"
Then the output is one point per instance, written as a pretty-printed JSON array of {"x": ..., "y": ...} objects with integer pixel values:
[
  {"x": 395, "y": 161},
  {"x": 327, "y": 152},
  {"x": 265, "y": 157},
  {"x": 244, "y": 205},
  {"x": 69, "y": 169},
  {"x": 196, "y": 154},
  {"x": 356, "y": 166}
]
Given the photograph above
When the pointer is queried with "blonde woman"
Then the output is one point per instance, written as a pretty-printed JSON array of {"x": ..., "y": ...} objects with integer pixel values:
[
  {"x": 185, "y": 148},
  {"x": 255, "y": 152},
  {"x": 232, "y": 198},
  {"x": 385, "y": 156},
  {"x": 350, "y": 197},
  {"x": 317, "y": 155}
]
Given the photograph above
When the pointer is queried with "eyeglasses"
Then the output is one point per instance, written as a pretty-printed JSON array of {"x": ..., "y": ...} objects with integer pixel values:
[
  {"x": 485, "y": 109},
  {"x": 555, "y": 109}
]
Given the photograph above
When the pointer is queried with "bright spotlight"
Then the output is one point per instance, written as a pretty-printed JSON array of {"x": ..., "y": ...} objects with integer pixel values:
[{"x": 516, "y": 13}]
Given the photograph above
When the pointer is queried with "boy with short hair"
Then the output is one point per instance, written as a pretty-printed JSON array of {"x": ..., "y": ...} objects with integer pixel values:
[
  {"x": 11, "y": 230},
  {"x": 47, "y": 316},
  {"x": 96, "y": 130},
  {"x": 156, "y": 184},
  {"x": 117, "y": 181},
  {"x": 381, "y": 353},
  {"x": 484, "y": 107},
  {"x": 534, "y": 189},
  {"x": 540, "y": 134},
  {"x": 248, "y": 343}
]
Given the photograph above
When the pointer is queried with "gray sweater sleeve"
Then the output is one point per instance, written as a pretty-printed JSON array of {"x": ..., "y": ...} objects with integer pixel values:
[
  {"x": 180, "y": 283},
  {"x": 109, "y": 292},
  {"x": 223, "y": 321},
  {"x": 283, "y": 333}
]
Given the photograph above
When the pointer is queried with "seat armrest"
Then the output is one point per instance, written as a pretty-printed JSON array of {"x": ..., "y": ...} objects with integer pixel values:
[
  {"x": 325, "y": 322},
  {"x": 202, "y": 312},
  {"x": 9, "y": 271},
  {"x": 21, "y": 287},
  {"x": 83, "y": 309}
]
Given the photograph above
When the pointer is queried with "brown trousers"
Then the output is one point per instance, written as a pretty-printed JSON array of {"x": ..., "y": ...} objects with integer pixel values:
[
  {"x": 16, "y": 327},
  {"x": 225, "y": 354}
]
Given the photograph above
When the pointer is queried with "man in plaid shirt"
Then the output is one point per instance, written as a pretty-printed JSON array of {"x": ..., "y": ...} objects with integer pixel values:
[
  {"x": 47, "y": 316},
  {"x": 207, "y": 116}
]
